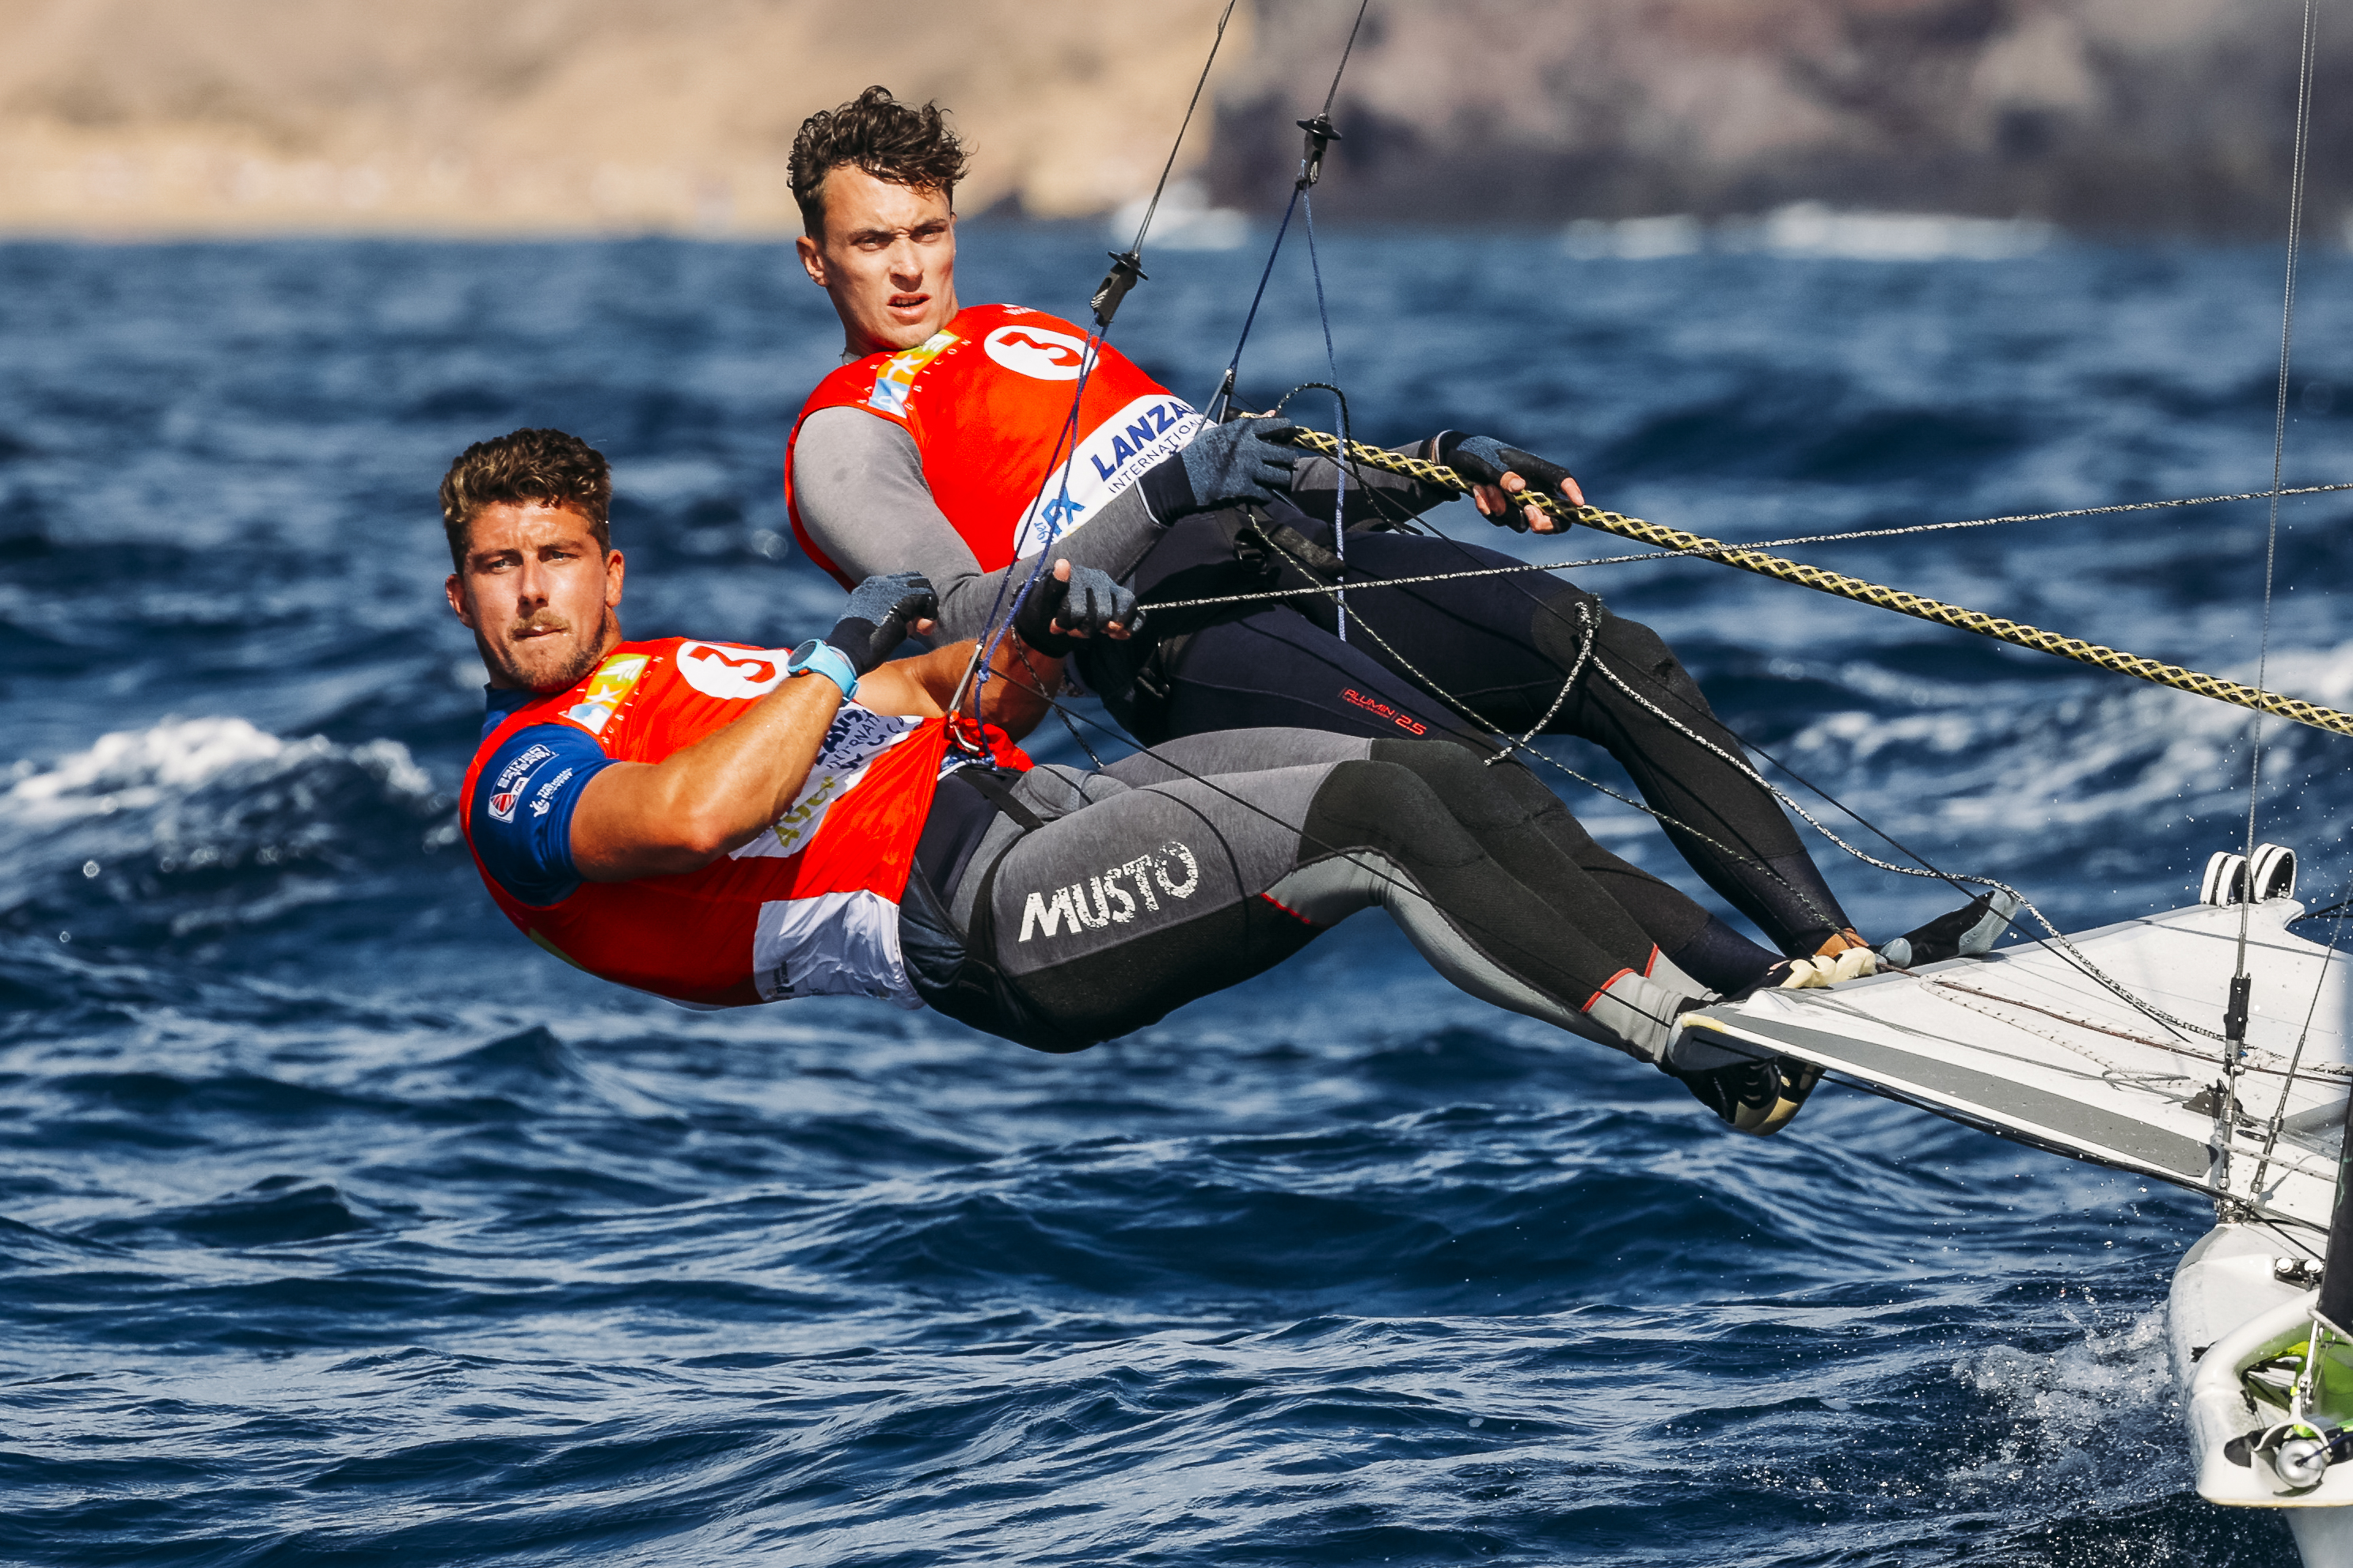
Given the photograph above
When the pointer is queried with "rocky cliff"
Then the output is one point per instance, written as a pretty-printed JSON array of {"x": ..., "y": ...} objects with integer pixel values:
[
  {"x": 2163, "y": 115},
  {"x": 536, "y": 115}
]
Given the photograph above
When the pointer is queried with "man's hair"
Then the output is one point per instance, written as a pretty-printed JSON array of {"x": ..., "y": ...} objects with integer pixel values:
[
  {"x": 876, "y": 132},
  {"x": 545, "y": 466}
]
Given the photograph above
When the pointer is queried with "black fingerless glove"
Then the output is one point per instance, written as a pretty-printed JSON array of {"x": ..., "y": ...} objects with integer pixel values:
[
  {"x": 1483, "y": 460},
  {"x": 875, "y": 621},
  {"x": 1089, "y": 603}
]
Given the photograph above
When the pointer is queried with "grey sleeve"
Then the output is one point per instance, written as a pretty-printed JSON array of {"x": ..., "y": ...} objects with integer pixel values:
[
  {"x": 857, "y": 482},
  {"x": 1315, "y": 478}
]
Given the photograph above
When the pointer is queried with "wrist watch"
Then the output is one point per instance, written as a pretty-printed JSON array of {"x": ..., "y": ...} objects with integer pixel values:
[{"x": 817, "y": 657}]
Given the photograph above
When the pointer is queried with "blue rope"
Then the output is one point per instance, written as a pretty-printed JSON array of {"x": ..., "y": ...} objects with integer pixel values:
[{"x": 1219, "y": 399}]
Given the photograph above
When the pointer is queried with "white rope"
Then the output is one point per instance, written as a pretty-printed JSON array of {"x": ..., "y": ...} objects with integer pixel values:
[{"x": 1329, "y": 590}]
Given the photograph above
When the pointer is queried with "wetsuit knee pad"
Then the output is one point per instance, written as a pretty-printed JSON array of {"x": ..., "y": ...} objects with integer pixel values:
[
  {"x": 1476, "y": 791},
  {"x": 1387, "y": 808}
]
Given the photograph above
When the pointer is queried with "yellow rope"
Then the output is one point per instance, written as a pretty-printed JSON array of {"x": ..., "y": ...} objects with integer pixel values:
[{"x": 1814, "y": 577}]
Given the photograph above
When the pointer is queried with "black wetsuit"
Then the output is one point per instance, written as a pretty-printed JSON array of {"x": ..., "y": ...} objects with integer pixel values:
[{"x": 1502, "y": 647}]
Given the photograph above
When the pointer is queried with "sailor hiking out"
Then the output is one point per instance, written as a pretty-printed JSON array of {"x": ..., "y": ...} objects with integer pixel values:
[
  {"x": 950, "y": 442},
  {"x": 726, "y": 825}
]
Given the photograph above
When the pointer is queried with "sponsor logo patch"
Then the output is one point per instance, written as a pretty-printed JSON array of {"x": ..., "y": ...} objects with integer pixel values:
[
  {"x": 1101, "y": 900},
  {"x": 513, "y": 780},
  {"x": 1037, "y": 353},
  {"x": 615, "y": 679},
  {"x": 1112, "y": 457},
  {"x": 897, "y": 377},
  {"x": 544, "y": 799},
  {"x": 731, "y": 673},
  {"x": 855, "y": 738}
]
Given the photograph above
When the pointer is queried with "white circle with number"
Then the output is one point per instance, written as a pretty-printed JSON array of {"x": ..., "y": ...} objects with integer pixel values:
[{"x": 1036, "y": 352}]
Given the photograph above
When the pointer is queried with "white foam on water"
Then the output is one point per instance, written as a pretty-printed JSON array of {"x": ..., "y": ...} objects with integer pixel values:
[
  {"x": 1812, "y": 229},
  {"x": 2026, "y": 758},
  {"x": 1634, "y": 238},
  {"x": 196, "y": 792},
  {"x": 1185, "y": 221},
  {"x": 2101, "y": 1405},
  {"x": 131, "y": 769}
]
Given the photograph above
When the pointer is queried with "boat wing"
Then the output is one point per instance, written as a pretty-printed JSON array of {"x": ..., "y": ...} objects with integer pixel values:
[{"x": 2029, "y": 1042}]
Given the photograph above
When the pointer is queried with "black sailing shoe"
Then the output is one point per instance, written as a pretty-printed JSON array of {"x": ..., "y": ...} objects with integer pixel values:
[
  {"x": 1963, "y": 934},
  {"x": 1758, "y": 1098}
]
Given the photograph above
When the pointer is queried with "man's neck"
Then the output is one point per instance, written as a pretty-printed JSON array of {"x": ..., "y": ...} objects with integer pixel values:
[{"x": 855, "y": 348}]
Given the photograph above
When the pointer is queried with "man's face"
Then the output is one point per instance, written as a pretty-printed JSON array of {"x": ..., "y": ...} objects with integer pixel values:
[
  {"x": 887, "y": 257},
  {"x": 538, "y": 594}
]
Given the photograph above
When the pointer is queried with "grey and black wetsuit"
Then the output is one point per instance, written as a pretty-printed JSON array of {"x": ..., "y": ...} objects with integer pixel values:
[
  {"x": 1504, "y": 645},
  {"x": 1060, "y": 907}
]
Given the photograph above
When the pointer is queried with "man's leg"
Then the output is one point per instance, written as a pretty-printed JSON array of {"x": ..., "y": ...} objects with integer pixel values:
[
  {"x": 1110, "y": 916},
  {"x": 1503, "y": 646},
  {"x": 1514, "y": 818}
]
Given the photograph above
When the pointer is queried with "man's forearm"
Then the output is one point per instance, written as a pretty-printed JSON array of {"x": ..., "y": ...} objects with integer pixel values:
[
  {"x": 1372, "y": 494},
  {"x": 666, "y": 819},
  {"x": 1021, "y": 682},
  {"x": 857, "y": 484}
]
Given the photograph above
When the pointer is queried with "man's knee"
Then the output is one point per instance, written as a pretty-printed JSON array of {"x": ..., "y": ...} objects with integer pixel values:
[
  {"x": 1476, "y": 790},
  {"x": 1384, "y": 807},
  {"x": 1640, "y": 655}
]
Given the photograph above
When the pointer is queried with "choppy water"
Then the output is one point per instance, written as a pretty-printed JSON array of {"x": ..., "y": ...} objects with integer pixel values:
[{"x": 337, "y": 1225}]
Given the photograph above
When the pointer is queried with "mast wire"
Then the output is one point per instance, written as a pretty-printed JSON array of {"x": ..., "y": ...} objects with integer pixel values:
[
  {"x": 1221, "y": 400},
  {"x": 2240, "y": 983},
  {"x": 1153, "y": 206}
]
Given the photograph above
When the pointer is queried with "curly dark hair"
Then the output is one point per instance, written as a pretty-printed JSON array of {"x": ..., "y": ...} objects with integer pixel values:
[
  {"x": 546, "y": 466},
  {"x": 888, "y": 139}
]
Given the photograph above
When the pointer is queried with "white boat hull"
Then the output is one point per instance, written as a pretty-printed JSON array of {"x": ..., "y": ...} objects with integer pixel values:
[{"x": 2037, "y": 1043}]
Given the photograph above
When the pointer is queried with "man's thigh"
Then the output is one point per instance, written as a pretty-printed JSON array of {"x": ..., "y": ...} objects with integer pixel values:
[
  {"x": 1477, "y": 637},
  {"x": 1276, "y": 668},
  {"x": 1111, "y": 916},
  {"x": 1215, "y": 752}
]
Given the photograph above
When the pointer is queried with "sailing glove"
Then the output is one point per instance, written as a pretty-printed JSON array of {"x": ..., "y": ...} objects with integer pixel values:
[
  {"x": 880, "y": 611},
  {"x": 1089, "y": 603},
  {"x": 1483, "y": 460},
  {"x": 1227, "y": 465}
]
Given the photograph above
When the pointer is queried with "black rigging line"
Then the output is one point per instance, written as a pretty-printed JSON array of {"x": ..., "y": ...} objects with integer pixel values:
[
  {"x": 1320, "y": 135},
  {"x": 2235, "y": 1013},
  {"x": 1126, "y": 271},
  {"x": 1127, "y": 266}
]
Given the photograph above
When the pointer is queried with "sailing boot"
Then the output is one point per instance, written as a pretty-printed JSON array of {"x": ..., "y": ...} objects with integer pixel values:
[
  {"x": 1763, "y": 1096},
  {"x": 1758, "y": 1098},
  {"x": 1963, "y": 934}
]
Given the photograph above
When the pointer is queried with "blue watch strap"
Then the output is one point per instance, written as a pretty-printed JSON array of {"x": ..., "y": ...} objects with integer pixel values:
[{"x": 818, "y": 657}]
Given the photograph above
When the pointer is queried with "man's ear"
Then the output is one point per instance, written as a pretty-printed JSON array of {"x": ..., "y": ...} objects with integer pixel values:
[
  {"x": 458, "y": 602},
  {"x": 812, "y": 259},
  {"x": 615, "y": 569}
]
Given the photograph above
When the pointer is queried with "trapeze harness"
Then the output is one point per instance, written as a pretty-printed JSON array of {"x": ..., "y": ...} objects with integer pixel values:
[
  {"x": 987, "y": 400},
  {"x": 808, "y": 907}
]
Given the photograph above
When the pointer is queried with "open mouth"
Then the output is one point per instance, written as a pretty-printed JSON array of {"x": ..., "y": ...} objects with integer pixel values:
[{"x": 910, "y": 301}]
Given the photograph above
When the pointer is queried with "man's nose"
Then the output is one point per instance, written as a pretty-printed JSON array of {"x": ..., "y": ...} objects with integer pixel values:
[
  {"x": 906, "y": 264},
  {"x": 530, "y": 583}
]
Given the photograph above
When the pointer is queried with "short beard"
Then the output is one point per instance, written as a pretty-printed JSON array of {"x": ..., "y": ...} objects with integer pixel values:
[
  {"x": 584, "y": 658},
  {"x": 589, "y": 657}
]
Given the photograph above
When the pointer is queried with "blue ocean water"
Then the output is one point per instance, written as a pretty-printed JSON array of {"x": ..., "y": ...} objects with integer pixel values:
[{"x": 340, "y": 1226}]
